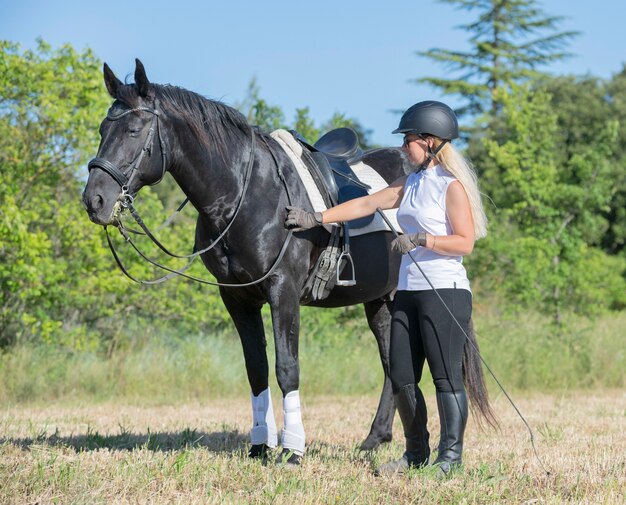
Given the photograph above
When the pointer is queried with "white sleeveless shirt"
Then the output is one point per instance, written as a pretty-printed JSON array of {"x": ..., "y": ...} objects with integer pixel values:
[{"x": 423, "y": 209}]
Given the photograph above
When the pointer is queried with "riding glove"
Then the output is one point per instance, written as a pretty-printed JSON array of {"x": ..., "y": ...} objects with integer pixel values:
[
  {"x": 409, "y": 241},
  {"x": 300, "y": 219}
]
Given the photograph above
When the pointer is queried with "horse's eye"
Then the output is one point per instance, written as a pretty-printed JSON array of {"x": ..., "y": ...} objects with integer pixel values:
[{"x": 133, "y": 131}]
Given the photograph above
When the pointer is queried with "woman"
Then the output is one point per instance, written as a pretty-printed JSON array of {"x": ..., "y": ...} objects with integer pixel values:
[{"x": 441, "y": 215}]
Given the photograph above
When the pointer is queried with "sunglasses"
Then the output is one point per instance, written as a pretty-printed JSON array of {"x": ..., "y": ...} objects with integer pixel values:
[{"x": 406, "y": 141}]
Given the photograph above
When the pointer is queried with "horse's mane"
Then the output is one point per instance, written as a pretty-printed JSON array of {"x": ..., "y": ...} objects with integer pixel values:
[{"x": 208, "y": 119}]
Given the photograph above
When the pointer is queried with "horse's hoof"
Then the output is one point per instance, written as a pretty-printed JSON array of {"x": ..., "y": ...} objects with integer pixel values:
[
  {"x": 260, "y": 451},
  {"x": 289, "y": 458},
  {"x": 372, "y": 442}
]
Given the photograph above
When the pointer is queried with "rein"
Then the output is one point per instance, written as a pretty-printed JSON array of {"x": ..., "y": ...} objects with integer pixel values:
[
  {"x": 147, "y": 232},
  {"x": 180, "y": 272},
  {"x": 126, "y": 200}
]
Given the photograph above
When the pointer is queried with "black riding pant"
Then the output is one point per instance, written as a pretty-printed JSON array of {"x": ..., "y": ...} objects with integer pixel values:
[{"x": 422, "y": 329}]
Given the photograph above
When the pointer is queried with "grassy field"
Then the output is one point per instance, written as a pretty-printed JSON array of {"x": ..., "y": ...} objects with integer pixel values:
[
  {"x": 195, "y": 453},
  {"x": 165, "y": 419},
  {"x": 334, "y": 360}
]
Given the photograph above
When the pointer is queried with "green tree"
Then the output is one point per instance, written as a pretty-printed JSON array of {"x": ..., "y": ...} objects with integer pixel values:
[
  {"x": 46, "y": 123},
  {"x": 58, "y": 281},
  {"x": 270, "y": 117},
  {"x": 339, "y": 120},
  {"x": 258, "y": 112},
  {"x": 548, "y": 211},
  {"x": 584, "y": 105},
  {"x": 59, "y": 284},
  {"x": 510, "y": 40},
  {"x": 305, "y": 125},
  {"x": 615, "y": 238}
]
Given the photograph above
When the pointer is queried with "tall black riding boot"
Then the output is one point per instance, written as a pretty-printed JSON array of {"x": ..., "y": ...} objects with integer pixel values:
[
  {"x": 412, "y": 409},
  {"x": 453, "y": 416}
]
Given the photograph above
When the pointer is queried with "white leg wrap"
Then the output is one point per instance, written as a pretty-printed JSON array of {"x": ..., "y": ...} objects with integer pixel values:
[
  {"x": 264, "y": 429},
  {"x": 293, "y": 437}
]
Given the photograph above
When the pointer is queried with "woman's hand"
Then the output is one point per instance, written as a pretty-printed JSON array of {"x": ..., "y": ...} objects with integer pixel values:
[
  {"x": 407, "y": 242},
  {"x": 299, "y": 219}
]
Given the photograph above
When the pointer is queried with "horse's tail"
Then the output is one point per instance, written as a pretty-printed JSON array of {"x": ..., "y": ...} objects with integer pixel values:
[{"x": 475, "y": 380}]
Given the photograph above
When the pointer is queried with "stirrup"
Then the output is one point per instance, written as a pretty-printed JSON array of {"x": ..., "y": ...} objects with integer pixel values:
[
  {"x": 345, "y": 254},
  {"x": 345, "y": 282}
]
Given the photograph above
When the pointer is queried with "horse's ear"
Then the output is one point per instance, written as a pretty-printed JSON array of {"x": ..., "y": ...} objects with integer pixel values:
[
  {"x": 142, "y": 82},
  {"x": 112, "y": 82}
]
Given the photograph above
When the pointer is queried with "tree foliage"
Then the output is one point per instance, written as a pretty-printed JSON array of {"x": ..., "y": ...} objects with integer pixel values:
[
  {"x": 584, "y": 107},
  {"x": 548, "y": 211},
  {"x": 58, "y": 283},
  {"x": 258, "y": 112},
  {"x": 510, "y": 40},
  {"x": 270, "y": 117},
  {"x": 554, "y": 170},
  {"x": 550, "y": 155},
  {"x": 46, "y": 124}
]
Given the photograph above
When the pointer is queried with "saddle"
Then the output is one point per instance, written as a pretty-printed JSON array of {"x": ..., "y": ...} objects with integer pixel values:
[
  {"x": 328, "y": 161},
  {"x": 341, "y": 143},
  {"x": 330, "y": 165}
]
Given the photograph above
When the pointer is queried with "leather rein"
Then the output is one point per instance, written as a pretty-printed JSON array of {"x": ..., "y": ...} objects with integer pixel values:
[{"x": 126, "y": 200}]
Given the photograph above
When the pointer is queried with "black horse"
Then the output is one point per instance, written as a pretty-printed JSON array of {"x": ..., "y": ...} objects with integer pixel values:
[{"x": 213, "y": 154}]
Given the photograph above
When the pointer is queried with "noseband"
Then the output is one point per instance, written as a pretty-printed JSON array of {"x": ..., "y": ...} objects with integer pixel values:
[{"x": 124, "y": 178}]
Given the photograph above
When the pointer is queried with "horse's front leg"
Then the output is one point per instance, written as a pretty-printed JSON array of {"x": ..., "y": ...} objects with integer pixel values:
[
  {"x": 285, "y": 307},
  {"x": 249, "y": 324}
]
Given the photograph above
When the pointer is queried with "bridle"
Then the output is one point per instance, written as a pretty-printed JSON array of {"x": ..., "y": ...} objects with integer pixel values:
[
  {"x": 126, "y": 200},
  {"x": 124, "y": 178}
]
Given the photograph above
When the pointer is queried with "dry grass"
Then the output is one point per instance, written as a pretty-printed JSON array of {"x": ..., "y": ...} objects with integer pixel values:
[{"x": 196, "y": 454}]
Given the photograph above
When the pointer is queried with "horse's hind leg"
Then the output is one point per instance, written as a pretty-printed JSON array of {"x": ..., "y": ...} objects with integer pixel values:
[
  {"x": 249, "y": 324},
  {"x": 378, "y": 314}
]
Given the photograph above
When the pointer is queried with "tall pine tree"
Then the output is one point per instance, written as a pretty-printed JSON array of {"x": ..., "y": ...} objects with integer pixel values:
[{"x": 510, "y": 40}]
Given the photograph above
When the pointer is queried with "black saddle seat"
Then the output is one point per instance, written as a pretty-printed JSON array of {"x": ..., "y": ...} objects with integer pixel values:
[
  {"x": 328, "y": 161},
  {"x": 340, "y": 143}
]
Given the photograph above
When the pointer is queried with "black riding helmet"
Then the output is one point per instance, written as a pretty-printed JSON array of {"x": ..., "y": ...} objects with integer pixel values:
[{"x": 431, "y": 118}]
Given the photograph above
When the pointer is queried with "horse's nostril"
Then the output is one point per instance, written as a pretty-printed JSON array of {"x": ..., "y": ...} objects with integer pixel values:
[{"x": 97, "y": 202}]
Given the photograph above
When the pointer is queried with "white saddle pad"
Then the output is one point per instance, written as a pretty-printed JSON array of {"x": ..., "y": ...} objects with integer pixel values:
[{"x": 364, "y": 173}]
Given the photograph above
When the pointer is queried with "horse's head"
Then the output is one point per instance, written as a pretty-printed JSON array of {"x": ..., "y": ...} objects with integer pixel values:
[{"x": 131, "y": 153}]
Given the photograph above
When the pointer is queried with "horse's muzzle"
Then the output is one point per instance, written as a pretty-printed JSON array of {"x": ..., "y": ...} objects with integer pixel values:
[{"x": 97, "y": 209}]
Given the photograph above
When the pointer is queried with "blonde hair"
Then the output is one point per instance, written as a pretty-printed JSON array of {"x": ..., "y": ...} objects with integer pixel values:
[{"x": 455, "y": 163}]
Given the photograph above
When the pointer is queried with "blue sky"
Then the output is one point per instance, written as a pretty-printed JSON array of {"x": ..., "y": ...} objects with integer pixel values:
[{"x": 357, "y": 58}]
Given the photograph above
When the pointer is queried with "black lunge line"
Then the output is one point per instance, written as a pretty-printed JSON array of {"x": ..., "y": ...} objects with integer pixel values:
[{"x": 530, "y": 431}]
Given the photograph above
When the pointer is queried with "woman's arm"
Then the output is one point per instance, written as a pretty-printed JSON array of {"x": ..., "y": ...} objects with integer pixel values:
[
  {"x": 387, "y": 198},
  {"x": 461, "y": 242}
]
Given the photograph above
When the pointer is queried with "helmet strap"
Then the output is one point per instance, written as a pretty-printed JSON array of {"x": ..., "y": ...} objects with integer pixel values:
[{"x": 431, "y": 154}]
